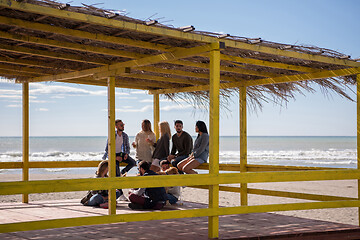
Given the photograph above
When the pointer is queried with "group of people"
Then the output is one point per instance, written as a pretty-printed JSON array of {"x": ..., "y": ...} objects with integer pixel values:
[{"x": 153, "y": 158}]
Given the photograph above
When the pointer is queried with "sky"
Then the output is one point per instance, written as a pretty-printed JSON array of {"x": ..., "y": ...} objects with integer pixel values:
[{"x": 58, "y": 109}]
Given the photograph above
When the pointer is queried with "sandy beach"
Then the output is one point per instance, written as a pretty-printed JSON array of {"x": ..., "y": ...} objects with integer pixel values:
[{"x": 345, "y": 188}]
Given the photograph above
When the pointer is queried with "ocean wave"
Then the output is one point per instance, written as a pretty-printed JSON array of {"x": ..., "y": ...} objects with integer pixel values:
[{"x": 311, "y": 157}]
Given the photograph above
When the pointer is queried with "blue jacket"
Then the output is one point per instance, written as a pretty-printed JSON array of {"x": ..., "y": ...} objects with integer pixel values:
[{"x": 125, "y": 147}]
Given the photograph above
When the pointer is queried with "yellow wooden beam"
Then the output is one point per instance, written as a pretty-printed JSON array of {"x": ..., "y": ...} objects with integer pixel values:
[
  {"x": 50, "y": 54},
  {"x": 252, "y": 61},
  {"x": 305, "y": 76},
  {"x": 25, "y": 137},
  {"x": 159, "y": 215},
  {"x": 214, "y": 117},
  {"x": 290, "y": 53},
  {"x": 227, "y": 69},
  {"x": 156, "y": 112},
  {"x": 164, "y": 79},
  {"x": 120, "y": 68},
  {"x": 204, "y": 166},
  {"x": 265, "y": 81},
  {"x": 22, "y": 69},
  {"x": 111, "y": 142},
  {"x": 261, "y": 168},
  {"x": 70, "y": 45},
  {"x": 123, "y": 25},
  {"x": 17, "y": 73},
  {"x": 120, "y": 83},
  {"x": 243, "y": 143},
  {"x": 273, "y": 193},
  {"x": 29, "y": 63},
  {"x": 81, "y": 34},
  {"x": 43, "y": 186},
  {"x": 305, "y": 196},
  {"x": 184, "y": 89},
  {"x": 358, "y": 132},
  {"x": 183, "y": 73}
]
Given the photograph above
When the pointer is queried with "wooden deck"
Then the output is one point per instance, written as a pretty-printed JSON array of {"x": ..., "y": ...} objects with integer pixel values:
[{"x": 245, "y": 226}]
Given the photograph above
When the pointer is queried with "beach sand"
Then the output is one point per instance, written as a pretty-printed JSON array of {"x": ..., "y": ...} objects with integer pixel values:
[{"x": 344, "y": 188}]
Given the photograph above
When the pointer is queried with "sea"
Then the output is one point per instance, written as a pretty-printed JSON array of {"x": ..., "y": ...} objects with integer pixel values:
[{"x": 313, "y": 151}]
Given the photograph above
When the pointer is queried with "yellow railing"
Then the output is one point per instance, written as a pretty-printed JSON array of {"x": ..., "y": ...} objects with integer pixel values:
[{"x": 253, "y": 175}]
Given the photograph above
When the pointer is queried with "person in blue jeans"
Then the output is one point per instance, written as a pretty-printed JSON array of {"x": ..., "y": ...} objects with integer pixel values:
[
  {"x": 200, "y": 152},
  {"x": 100, "y": 197},
  {"x": 182, "y": 145}
]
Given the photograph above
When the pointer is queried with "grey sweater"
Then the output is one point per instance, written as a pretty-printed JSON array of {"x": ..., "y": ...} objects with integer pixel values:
[{"x": 201, "y": 145}]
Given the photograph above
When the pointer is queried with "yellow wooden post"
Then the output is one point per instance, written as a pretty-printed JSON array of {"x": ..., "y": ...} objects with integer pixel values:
[
  {"x": 213, "y": 225},
  {"x": 358, "y": 133},
  {"x": 25, "y": 137},
  {"x": 156, "y": 115},
  {"x": 111, "y": 141},
  {"x": 243, "y": 143}
]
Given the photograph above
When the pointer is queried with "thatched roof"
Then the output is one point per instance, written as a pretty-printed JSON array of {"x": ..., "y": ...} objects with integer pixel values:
[{"x": 40, "y": 44}]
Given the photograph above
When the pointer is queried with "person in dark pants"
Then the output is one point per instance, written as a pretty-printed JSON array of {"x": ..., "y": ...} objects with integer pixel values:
[
  {"x": 147, "y": 198},
  {"x": 182, "y": 145},
  {"x": 122, "y": 149}
]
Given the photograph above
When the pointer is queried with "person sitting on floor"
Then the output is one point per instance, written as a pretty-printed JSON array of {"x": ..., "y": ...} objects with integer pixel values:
[
  {"x": 100, "y": 197},
  {"x": 172, "y": 193},
  {"x": 147, "y": 198},
  {"x": 164, "y": 165}
]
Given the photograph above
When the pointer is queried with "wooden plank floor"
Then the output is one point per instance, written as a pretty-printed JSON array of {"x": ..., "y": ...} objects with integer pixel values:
[{"x": 244, "y": 226}]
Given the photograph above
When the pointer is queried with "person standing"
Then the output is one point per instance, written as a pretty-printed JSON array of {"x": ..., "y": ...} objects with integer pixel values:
[
  {"x": 144, "y": 149},
  {"x": 200, "y": 152},
  {"x": 182, "y": 144},
  {"x": 122, "y": 146}
]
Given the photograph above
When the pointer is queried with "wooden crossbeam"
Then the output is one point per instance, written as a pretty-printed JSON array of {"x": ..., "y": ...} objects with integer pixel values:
[
  {"x": 265, "y": 81},
  {"x": 99, "y": 50},
  {"x": 257, "y": 62},
  {"x": 123, "y": 25},
  {"x": 226, "y": 69},
  {"x": 21, "y": 69},
  {"x": 50, "y": 54},
  {"x": 72, "y": 46},
  {"x": 165, "y": 79},
  {"x": 81, "y": 34},
  {"x": 121, "y": 68},
  {"x": 11, "y": 72}
]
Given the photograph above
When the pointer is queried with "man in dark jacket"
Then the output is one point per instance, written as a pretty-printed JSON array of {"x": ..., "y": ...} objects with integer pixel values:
[{"x": 147, "y": 198}]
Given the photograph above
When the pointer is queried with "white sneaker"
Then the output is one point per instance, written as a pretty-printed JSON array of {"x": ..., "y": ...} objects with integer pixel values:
[{"x": 123, "y": 198}]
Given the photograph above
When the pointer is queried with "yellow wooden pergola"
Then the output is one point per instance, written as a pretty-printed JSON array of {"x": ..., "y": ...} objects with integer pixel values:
[{"x": 43, "y": 41}]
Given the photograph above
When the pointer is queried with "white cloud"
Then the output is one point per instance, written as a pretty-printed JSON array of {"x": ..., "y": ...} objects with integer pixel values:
[
  {"x": 61, "y": 91},
  {"x": 39, "y": 101},
  {"x": 161, "y": 100},
  {"x": 14, "y": 105},
  {"x": 133, "y": 98},
  {"x": 130, "y": 109},
  {"x": 10, "y": 96},
  {"x": 139, "y": 92},
  {"x": 42, "y": 109},
  {"x": 146, "y": 101},
  {"x": 175, "y": 107}
]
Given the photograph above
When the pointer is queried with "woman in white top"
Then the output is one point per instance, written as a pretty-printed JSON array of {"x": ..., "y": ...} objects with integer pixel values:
[{"x": 144, "y": 149}]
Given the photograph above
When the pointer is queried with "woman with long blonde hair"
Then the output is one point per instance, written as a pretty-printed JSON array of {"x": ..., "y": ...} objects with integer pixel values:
[{"x": 162, "y": 146}]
